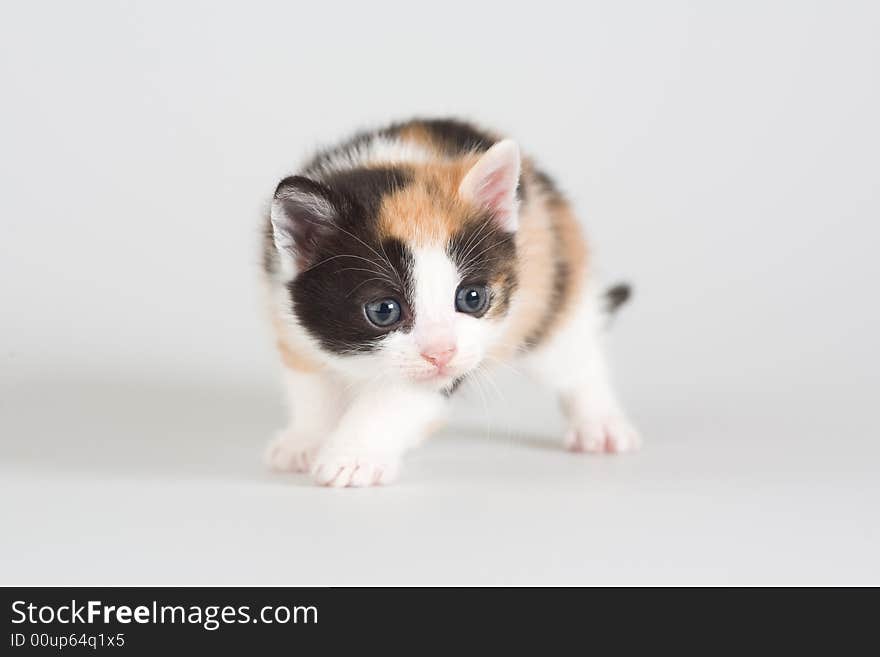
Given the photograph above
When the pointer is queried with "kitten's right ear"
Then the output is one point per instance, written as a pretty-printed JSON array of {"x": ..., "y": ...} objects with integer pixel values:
[
  {"x": 492, "y": 182},
  {"x": 302, "y": 212}
]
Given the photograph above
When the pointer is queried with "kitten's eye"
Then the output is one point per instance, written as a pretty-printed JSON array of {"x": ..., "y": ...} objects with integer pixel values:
[
  {"x": 471, "y": 299},
  {"x": 384, "y": 312}
]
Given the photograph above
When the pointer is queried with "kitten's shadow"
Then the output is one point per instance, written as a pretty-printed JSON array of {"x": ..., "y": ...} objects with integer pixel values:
[
  {"x": 163, "y": 431},
  {"x": 470, "y": 434}
]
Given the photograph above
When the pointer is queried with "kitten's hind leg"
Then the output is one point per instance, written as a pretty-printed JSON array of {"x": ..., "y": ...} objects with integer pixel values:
[
  {"x": 573, "y": 364},
  {"x": 315, "y": 404}
]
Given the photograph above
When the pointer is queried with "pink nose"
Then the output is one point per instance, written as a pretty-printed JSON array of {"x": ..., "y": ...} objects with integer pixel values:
[{"x": 439, "y": 357}]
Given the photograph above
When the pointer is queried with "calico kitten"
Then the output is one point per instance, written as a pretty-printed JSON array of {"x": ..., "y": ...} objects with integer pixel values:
[{"x": 402, "y": 260}]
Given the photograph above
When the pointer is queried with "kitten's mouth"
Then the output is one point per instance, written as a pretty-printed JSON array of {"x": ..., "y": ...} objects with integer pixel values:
[{"x": 437, "y": 375}]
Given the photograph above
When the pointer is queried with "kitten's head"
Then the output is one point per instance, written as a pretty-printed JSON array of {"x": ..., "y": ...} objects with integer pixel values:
[{"x": 403, "y": 272}]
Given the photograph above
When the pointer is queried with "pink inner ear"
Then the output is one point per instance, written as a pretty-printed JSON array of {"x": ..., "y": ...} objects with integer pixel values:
[
  {"x": 498, "y": 191},
  {"x": 491, "y": 183}
]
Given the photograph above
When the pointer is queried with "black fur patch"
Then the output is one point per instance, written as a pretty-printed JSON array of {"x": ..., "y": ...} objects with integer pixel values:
[
  {"x": 348, "y": 265},
  {"x": 456, "y": 137},
  {"x": 367, "y": 187},
  {"x": 560, "y": 294},
  {"x": 484, "y": 254},
  {"x": 616, "y": 296},
  {"x": 329, "y": 298}
]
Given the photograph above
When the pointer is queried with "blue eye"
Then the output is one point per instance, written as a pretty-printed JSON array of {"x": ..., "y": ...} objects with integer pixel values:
[
  {"x": 471, "y": 299},
  {"x": 384, "y": 312}
]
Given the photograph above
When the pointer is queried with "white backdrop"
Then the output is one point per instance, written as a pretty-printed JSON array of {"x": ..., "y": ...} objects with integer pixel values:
[{"x": 724, "y": 158}]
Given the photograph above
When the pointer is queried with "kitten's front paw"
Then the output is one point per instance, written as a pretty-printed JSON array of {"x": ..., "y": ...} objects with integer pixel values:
[
  {"x": 290, "y": 453},
  {"x": 610, "y": 432},
  {"x": 340, "y": 468}
]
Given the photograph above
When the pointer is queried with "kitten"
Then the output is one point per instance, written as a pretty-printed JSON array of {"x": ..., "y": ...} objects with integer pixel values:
[{"x": 402, "y": 260}]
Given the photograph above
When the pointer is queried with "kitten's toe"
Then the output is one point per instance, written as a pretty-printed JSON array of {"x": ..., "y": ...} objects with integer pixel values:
[
  {"x": 611, "y": 433},
  {"x": 287, "y": 453},
  {"x": 621, "y": 436},
  {"x": 340, "y": 470},
  {"x": 585, "y": 438}
]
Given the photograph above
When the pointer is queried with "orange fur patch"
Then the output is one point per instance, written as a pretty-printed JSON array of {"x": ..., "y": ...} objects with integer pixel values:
[
  {"x": 417, "y": 133},
  {"x": 428, "y": 211},
  {"x": 292, "y": 358},
  {"x": 548, "y": 232}
]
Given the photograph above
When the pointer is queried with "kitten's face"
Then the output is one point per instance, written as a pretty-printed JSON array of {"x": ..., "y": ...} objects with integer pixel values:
[
  {"x": 390, "y": 310},
  {"x": 401, "y": 274}
]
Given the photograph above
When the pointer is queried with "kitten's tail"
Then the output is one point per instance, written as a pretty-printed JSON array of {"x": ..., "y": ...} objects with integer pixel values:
[{"x": 614, "y": 297}]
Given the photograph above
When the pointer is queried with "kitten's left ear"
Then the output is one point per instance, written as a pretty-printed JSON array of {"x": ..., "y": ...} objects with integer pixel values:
[
  {"x": 303, "y": 213},
  {"x": 492, "y": 181}
]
